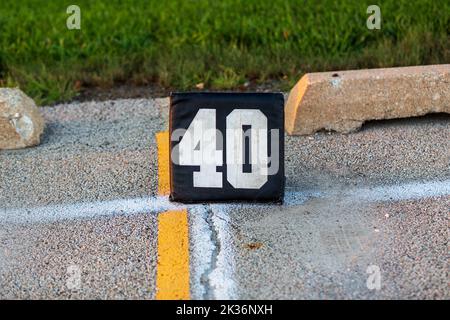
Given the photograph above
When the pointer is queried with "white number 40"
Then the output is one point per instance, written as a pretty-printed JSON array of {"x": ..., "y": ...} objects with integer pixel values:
[{"x": 202, "y": 145}]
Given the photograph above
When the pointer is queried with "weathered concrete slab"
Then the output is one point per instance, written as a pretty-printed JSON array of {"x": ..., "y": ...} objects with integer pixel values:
[
  {"x": 21, "y": 124},
  {"x": 343, "y": 100}
]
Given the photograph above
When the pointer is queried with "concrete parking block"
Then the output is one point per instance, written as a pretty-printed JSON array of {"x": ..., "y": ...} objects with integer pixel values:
[{"x": 343, "y": 100}]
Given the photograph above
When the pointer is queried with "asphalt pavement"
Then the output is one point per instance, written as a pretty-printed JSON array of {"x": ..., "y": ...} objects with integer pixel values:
[{"x": 365, "y": 214}]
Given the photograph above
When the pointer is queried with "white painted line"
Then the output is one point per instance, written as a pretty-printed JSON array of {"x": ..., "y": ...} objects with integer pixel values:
[
  {"x": 415, "y": 190},
  {"x": 212, "y": 248},
  {"x": 406, "y": 191},
  {"x": 221, "y": 278},
  {"x": 212, "y": 253},
  {"x": 87, "y": 210},
  {"x": 202, "y": 250}
]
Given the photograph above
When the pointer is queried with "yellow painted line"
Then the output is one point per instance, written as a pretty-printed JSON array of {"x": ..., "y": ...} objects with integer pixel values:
[
  {"x": 172, "y": 281},
  {"x": 172, "y": 274},
  {"x": 162, "y": 140}
]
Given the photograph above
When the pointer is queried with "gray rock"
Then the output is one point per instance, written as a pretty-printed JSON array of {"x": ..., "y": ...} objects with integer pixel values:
[{"x": 21, "y": 123}]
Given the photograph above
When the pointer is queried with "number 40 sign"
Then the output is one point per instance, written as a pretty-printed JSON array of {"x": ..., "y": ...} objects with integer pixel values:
[{"x": 226, "y": 146}]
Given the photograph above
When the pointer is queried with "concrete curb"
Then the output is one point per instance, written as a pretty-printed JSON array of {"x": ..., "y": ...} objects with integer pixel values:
[{"x": 343, "y": 100}]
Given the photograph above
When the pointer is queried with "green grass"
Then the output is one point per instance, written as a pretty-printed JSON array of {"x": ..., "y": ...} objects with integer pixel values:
[{"x": 222, "y": 43}]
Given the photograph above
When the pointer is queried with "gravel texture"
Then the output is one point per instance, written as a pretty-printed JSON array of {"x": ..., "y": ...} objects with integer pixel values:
[
  {"x": 116, "y": 259},
  {"x": 322, "y": 249},
  {"x": 90, "y": 151},
  {"x": 338, "y": 217},
  {"x": 383, "y": 152}
]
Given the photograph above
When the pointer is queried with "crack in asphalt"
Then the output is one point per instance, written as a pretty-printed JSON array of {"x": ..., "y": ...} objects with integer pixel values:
[{"x": 206, "y": 276}]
